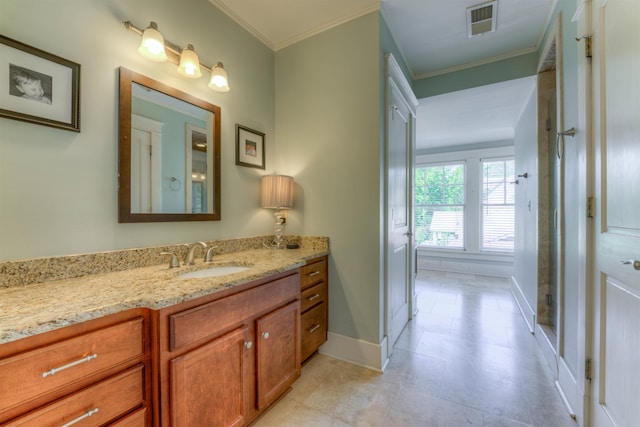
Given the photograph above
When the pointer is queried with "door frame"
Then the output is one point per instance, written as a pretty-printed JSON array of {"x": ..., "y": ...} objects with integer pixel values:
[
  {"x": 572, "y": 387},
  {"x": 154, "y": 129},
  {"x": 586, "y": 223},
  {"x": 395, "y": 76}
]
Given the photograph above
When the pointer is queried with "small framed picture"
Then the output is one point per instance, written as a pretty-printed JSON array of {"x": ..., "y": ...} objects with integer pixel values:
[
  {"x": 249, "y": 147},
  {"x": 38, "y": 87}
]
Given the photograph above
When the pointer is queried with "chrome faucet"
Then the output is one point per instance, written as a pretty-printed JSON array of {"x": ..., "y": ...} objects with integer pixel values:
[
  {"x": 208, "y": 256},
  {"x": 189, "y": 257}
]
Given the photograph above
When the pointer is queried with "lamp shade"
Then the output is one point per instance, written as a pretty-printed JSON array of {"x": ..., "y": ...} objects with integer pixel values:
[
  {"x": 152, "y": 45},
  {"x": 189, "y": 63},
  {"x": 277, "y": 192},
  {"x": 219, "y": 80}
]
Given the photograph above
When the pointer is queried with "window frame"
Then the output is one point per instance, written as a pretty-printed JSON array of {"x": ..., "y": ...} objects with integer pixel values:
[
  {"x": 473, "y": 198},
  {"x": 461, "y": 205}
]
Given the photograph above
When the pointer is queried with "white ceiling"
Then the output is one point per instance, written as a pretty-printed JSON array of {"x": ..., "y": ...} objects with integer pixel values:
[
  {"x": 432, "y": 38},
  {"x": 479, "y": 115}
]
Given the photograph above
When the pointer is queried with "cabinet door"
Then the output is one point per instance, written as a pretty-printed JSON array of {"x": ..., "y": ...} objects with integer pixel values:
[
  {"x": 209, "y": 384},
  {"x": 278, "y": 352}
]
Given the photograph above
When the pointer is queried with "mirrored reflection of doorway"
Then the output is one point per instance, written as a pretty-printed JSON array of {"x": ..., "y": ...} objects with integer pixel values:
[{"x": 196, "y": 169}]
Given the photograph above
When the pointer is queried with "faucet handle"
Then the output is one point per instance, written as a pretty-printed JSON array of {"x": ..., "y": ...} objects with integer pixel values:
[
  {"x": 208, "y": 256},
  {"x": 174, "y": 259}
]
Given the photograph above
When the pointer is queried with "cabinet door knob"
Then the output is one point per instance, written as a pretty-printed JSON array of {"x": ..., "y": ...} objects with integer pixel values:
[
  {"x": 248, "y": 344},
  {"x": 265, "y": 335}
]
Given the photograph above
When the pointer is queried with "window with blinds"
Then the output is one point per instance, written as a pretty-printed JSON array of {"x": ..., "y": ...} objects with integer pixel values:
[
  {"x": 439, "y": 208},
  {"x": 498, "y": 205}
]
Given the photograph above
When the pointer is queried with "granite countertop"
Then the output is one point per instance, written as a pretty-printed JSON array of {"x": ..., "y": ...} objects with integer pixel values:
[{"x": 32, "y": 309}]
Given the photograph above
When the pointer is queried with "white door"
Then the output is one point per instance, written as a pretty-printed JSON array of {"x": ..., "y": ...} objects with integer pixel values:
[
  {"x": 399, "y": 241},
  {"x": 615, "y": 391},
  {"x": 146, "y": 165},
  {"x": 140, "y": 171}
]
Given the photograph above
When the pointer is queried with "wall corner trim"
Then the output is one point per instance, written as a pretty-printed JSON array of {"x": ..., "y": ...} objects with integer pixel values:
[{"x": 362, "y": 353}]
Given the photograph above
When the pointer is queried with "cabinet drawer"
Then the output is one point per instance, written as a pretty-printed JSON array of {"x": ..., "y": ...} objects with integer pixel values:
[
  {"x": 136, "y": 419},
  {"x": 313, "y": 273},
  {"x": 209, "y": 319},
  {"x": 314, "y": 329},
  {"x": 92, "y": 406},
  {"x": 313, "y": 295},
  {"x": 37, "y": 372}
]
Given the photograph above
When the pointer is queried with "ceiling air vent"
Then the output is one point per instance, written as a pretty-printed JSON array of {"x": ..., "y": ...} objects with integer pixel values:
[{"x": 481, "y": 18}]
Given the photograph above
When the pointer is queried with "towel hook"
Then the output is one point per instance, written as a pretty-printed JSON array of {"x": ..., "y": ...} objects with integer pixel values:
[
  {"x": 560, "y": 147},
  {"x": 569, "y": 132}
]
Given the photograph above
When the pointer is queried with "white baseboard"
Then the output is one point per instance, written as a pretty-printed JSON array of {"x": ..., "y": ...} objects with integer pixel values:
[
  {"x": 481, "y": 268},
  {"x": 548, "y": 349},
  {"x": 362, "y": 353},
  {"x": 570, "y": 391},
  {"x": 527, "y": 311}
]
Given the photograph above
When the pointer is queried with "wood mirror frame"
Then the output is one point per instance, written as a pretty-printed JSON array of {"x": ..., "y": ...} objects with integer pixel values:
[{"x": 125, "y": 215}]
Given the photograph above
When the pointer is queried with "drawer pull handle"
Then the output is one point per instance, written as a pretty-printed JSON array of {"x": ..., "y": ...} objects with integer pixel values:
[
  {"x": 81, "y": 417},
  {"x": 53, "y": 371},
  {"x": 312, "y": 297},
  {"x": 265, "y": 335},
  {"x": 313, "y": 328},
  {"x": 315, "y": 273}
]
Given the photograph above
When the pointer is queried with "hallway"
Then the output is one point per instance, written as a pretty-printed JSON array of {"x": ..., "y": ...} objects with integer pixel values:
[{"x": 467, "y": 359}]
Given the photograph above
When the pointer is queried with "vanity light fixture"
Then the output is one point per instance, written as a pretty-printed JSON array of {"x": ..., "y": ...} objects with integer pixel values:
[
  {"x": 189, "y": 63},
  {"x": 277, "y": 193},
  {"x": 152, "y": 45},
  {"x": 219, "y": 80},
  {"x": 156, "y": 48}
]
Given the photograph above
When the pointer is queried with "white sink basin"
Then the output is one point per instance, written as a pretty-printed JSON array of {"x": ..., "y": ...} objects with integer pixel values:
[{"x": 214, "y": 271}]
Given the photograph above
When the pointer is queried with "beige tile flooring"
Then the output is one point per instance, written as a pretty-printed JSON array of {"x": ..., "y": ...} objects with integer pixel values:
[{"x": 467, "y": 359}]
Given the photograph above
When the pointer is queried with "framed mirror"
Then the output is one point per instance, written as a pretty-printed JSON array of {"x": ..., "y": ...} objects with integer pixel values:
[{"x": 169, "y": 153}]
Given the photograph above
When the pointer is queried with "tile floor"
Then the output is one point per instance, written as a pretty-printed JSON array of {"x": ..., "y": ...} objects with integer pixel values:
[{"x": 466, "y": 359}]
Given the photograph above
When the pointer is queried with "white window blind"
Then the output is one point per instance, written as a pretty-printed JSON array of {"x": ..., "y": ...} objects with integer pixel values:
[{"x": 498, "y": 205}]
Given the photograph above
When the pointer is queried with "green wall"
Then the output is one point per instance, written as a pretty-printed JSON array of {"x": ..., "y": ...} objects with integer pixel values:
[
  {"x": 481, "y": 75},
  {"x": 58, "y": 189},
  {"x": 328, "y": 137}
]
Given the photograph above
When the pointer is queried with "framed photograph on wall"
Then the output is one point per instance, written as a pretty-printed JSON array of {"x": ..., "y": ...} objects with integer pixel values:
[
  {"x": 38, "y": 87},
  {"x": 249, "y": 147}
]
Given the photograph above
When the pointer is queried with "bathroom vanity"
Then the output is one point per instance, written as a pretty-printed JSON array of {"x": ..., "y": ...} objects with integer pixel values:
[
  {"x": 220, "y": 361},
  {"x": 88, "y": 374},
  {"x": 144, "y": 346}
]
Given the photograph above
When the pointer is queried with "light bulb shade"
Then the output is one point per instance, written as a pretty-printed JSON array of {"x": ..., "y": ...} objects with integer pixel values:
[
  {"x": 219, "y": 81},
  {"x": 152, "y": 45},
  {"x": 189, "y": 63},
  {"x": 277, "y": 192}
]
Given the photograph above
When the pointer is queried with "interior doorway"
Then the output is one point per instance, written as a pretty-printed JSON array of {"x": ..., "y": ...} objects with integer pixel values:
[
  {"x": 554, "y": 167},
  {"x": 550, "y": 204},
  {"x": 558, "y": 235}
]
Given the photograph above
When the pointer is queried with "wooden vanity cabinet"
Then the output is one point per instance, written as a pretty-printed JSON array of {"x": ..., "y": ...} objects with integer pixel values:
[
  {"x": 95, "y": 373},
  {"x": 225, "y": 357},
  {"x": 314, "y": 302}
]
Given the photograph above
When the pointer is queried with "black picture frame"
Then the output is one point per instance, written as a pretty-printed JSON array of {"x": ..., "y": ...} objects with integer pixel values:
[
  {"x": 38, "y": 87},
  {"x": 249, "y": 147}
]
